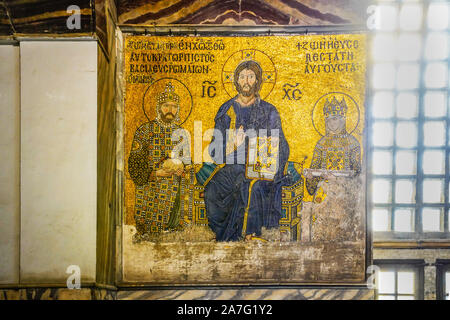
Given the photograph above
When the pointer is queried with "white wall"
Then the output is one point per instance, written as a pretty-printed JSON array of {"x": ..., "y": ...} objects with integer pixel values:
[
  {"x": 58, "y": 159},
  {"x": 9, "y": 164}
]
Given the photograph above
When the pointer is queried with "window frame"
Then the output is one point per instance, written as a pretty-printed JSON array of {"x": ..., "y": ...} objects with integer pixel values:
[
  {"x": 415, "y": 265},
  {"x": 418, "y": 205},
  {"x": 442, "y": 267}
]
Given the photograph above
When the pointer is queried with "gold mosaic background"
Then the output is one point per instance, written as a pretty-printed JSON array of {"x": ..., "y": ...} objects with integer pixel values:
[{"x": 314, "y": 66}]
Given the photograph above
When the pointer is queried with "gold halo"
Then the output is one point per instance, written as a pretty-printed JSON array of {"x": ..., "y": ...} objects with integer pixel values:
[
  {"x": 269, "y": 72},
  {"x": 352, "y": 117},
  {"x": 158, "y": 86}
]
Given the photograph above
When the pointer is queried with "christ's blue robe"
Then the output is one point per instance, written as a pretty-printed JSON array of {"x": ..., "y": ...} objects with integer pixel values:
[{"x": 227, "y": 193}]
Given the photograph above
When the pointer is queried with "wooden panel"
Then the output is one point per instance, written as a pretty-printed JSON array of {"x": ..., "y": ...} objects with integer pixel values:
[
  {"x": 243, "y": 12},
  {"x": 100, "y": 23},
  {"x": 106, "y": 165}
]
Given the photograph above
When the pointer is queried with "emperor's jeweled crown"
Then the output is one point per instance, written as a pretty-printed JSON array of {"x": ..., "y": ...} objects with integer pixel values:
[
  {"x": 334, "y": 108},
  {"x": 168, "y": 95}
]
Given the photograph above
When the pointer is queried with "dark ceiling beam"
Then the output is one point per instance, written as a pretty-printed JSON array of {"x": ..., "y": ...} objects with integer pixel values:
[
  {"x": 31, "y": 17},
  {"x": 6, "y": 24}
]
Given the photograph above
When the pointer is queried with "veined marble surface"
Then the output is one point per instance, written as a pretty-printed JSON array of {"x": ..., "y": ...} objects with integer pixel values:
[
  {"x": 198, "y": 294},
  {"x": 243, "y": 12},
  {"x": 248, "y": 294}
]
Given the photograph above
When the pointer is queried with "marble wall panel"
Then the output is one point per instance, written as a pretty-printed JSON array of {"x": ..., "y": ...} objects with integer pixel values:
[
  {"x": 9, "y": 163},
  {"x": 58, "y": 160}
]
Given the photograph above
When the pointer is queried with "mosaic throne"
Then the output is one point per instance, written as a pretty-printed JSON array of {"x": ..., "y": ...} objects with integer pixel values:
[{"x": 193, "y": 205}]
